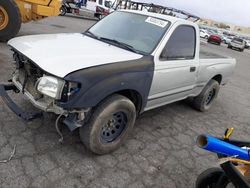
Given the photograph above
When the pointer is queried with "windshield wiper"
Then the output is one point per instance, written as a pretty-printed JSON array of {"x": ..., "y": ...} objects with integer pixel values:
[
  {"x": 121, "y": 44},
  {"x": 89, "y": 33}
]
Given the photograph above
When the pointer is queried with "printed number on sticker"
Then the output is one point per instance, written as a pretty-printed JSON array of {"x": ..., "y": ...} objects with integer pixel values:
[{"x": 155, "y": 21}]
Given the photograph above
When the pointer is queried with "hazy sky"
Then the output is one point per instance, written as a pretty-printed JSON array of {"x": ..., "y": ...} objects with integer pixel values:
[{"x": 230, "y": 11}]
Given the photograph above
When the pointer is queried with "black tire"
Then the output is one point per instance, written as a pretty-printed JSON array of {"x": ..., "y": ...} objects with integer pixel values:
[
  {"x": 95, "y": 135},
  {"x": 228, "y": 46},
  {"x": 205, "y": 99},
  {"x": 14, "y": 17},
  {"x": 206, "y": 37},
  {"x": 99, "y": 16},
  {"x": 210, "y": 177},
  {"x": 63, "y": 11}
]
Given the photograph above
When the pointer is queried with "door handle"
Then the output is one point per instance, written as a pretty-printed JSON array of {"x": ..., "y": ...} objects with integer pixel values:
[{"x": 192, "y": 69}]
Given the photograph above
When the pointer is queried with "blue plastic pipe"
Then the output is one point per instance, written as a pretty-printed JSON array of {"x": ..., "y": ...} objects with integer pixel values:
[{"x": 220, "y": 147}]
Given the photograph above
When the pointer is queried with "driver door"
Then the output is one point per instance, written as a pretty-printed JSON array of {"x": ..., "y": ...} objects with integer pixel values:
[{"x": 176, "y": 67}]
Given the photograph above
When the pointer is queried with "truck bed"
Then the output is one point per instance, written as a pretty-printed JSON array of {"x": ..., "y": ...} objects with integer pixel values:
[
  {"x": 214, "y": 64},
  {"x": 205, "y": 53}
]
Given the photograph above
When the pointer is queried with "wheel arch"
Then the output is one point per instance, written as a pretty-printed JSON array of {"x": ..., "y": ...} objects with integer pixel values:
[
  {"x": 134, "y": 96},
  {"x": 218, "y": 78},
  {"x": 131, "y": 94}
]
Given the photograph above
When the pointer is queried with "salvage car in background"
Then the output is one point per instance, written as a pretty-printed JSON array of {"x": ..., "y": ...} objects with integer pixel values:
[
  {"x": 215, "y": 39},
  {"x": 247, "y": 46},
  {"x": 204, "y": 34},
  {"x": 130, "y": 62},
  {"x": 101, "y": 8},
  {"x": 97, "y": 8},
  {"x": 230, "y": 38},
  {"x": 237, "y": 43},
  {"x": 226, "y": 39}
]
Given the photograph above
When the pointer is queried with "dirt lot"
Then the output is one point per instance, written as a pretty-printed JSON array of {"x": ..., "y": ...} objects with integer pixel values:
[{"x": 161, "y": 151}]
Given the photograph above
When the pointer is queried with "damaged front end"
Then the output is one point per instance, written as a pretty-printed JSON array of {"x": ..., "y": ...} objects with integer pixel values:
[{"x": 46, "y": 92}]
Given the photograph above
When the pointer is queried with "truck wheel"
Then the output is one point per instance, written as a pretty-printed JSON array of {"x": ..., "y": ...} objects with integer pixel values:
[
  {"x": 212, "y": 178},
  {"x": 205, "y": 99},
  {"x": 63, "y": 11},
  {"x": 109, "y": 125},
  {"x": 10, "y": 20},
  {"x": 99, "y": 16}
]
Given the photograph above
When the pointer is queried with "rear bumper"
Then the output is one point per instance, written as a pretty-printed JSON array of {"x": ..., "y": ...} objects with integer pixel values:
[{"x": 26, "y": 116}]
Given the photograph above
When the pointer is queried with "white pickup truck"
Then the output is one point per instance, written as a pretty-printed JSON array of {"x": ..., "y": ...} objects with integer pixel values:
[{"x": 101, "y": 80}]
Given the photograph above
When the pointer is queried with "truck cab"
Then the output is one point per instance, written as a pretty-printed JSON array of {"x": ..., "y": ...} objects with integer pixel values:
[{"x": 178, "y": 54}]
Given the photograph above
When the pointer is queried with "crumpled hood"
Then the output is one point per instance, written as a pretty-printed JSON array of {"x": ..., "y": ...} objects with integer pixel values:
[{"x": 61, "y": 54}]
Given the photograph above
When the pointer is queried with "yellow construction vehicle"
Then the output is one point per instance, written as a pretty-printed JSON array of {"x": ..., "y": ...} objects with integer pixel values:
[{"x": 15, "y": 12}]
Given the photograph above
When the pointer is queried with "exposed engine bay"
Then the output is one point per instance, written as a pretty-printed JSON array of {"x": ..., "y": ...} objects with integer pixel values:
[{"x": 27, "y": 78}]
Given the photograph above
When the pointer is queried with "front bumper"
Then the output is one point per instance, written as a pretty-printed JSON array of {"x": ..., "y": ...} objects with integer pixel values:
[
  {"x": 27, "y": 116},
  {"x": 45, "y": 105},
  {"x": 72, "y": 119}
]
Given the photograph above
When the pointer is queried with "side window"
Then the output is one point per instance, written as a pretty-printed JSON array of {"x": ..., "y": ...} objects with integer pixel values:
[
  {"x": 107, "y": 4},
  {"x": 181, "y": 44}
]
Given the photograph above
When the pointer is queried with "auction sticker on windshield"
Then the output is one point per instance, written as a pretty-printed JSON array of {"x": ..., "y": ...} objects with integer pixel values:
[{"x": 158, "y": 22}]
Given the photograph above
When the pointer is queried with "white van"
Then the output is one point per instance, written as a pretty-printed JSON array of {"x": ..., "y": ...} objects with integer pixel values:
[{"x": 100, "y": 8}]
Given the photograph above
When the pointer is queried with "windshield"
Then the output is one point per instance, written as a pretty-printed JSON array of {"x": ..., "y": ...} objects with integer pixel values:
[{"x": 140, "y": 32}]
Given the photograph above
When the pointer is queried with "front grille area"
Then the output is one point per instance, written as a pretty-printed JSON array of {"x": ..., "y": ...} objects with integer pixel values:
[{"x": 28, "y": 74}]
